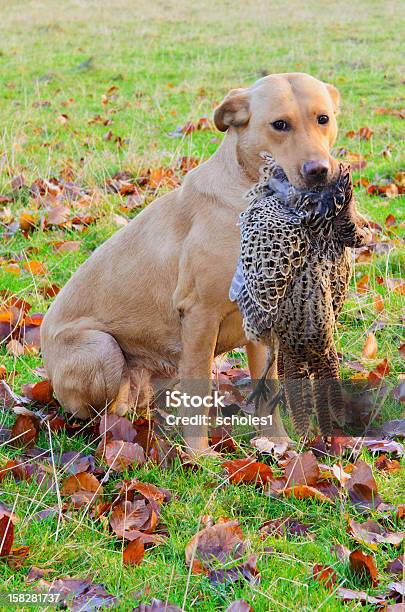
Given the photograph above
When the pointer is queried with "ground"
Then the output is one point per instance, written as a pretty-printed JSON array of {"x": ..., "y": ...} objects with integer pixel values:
[{"x": 89, "y": 89}]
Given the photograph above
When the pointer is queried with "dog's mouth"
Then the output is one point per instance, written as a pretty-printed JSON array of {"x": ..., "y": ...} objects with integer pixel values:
[{"x": 324, "y": 200}]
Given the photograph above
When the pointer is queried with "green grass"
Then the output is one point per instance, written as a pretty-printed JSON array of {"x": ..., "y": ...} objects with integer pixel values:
[{"x": 171, "y": 63}]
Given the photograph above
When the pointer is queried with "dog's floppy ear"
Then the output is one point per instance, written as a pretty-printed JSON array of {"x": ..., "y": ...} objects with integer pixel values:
[
  {"x": 335, "y": 95},
  {"x": 233, "y": 110}
]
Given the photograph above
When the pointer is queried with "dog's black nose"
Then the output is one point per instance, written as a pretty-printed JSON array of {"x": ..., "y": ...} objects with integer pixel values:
[{"x": 315, "y": 171}]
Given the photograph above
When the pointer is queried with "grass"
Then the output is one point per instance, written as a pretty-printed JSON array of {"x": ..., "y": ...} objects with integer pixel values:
[{"x": 171, "y": 63}]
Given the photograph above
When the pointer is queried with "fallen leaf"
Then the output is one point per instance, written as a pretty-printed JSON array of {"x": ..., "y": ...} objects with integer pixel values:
[
  {"x": 221, "y": 542},
  {"x": 79, "y": 594},
  {"x": 14, "y": 347},
  {"x": 325, "y": 575},
  {"x": 370, "y": 534},
  {"x": 370, "y": 347},
  {"x": 117, "y": 428},
  {"x": 283, "y": 527},
  {"x": 361, "y": 596},
  {"x": 362, "y": 285},
  {"x": 383, "y": 446},
  {"x": 82, "y": 489},
  {"x": 378, "y": 303},
  {"x": 306, "y": 492},
  {"x": 396, "y": 566},
  {"x": 34, "y": 267},
  {"x": 119, "y": 454},
  {"x": 58, "y": 215},
  {"x": 134, "y": 553},
  {"x": 302, "y": 470},
  {"x": 129, "y": 516},
  {"x": 24, "y": 431},
  {"x": 247, "y": 470},
  {"x": 362, "y": 487},
  {"x": 381, "y": 370},
  {"x": 6, "y": 535},
  {"x": 365, "y": 133},
  {"x": 237, "y": 573},
  {"x": 384, "y": 464},
  {"x": 41, "y": 391},
  {"x": 67, "y": 246},
  {"x": 363, "y": 565}
]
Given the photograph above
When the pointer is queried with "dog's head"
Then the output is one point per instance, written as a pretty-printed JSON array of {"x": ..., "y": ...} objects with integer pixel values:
[{"x": 293, "y": 117}]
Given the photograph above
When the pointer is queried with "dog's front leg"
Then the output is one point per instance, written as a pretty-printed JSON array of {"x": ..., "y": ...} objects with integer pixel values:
[{"x": 199, "y": 336}]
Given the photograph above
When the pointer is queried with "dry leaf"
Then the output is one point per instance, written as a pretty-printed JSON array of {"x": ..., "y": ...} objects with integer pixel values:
[
  {"x": 370, "y": 347},
  {"x": 363, "y": 565},
  {"x": 134, "y": 553},
  {"x": 247, "y": 470}
]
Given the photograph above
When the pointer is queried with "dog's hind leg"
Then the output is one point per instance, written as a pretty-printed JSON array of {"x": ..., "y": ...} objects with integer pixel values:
[{"x": 88, "y": 371}]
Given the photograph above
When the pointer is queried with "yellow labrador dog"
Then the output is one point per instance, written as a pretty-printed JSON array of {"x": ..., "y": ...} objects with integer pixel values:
[{"x": 152, "y": 302}]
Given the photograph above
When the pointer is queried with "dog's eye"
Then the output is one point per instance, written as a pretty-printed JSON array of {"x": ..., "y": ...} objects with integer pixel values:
[
  {"x": 280, "y": 125},
  {"x": 322, "y": 119}
]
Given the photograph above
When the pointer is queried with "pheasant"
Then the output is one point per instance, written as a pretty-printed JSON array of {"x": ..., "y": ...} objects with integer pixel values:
[{"x": 292, "y": 280}]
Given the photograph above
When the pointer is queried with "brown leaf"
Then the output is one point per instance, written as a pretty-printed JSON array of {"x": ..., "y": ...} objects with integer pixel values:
[
  {"x": 25, "y": 430},
  {"x": 370, "y": 533},
  {"x": 302, "y": 469},
  {"x": 381, "y": 370},
  {"x": 14, "y": 347},
  {"x": 34, "y": 267},
  {"x": 129, "y": 516},
  {"x": 325, "y": 575},
  {"x": 378, "y": 303},
  {"x": 247, "y": 470},
  {"x": 117, "y": 428},
  {"x": 17, "y": 182},
  {"x": 222, "y": 441},
  {"x": 67, "y": 246},
  {"x": 80, "y": 594},
  {"x": 306, "y": 492},
  {"x": 361, "y": 596},
  {"x": 383, "y": 446},
  {"x": 221, "y": 542},
  {"x": 19, "y": 470},
  {"x": 384, "y": 464},
  {"x": 341, "y": 551},
  {"x": 17, "y": 556},
  {"x": 396, "y": 566},
  {"x": 365, "y": 133},
  {"x": 134, "y": 553},
  {"x": 146, "y": 489},
  {"x": 6, "y": 534},
  {"x": 363, "y": 565},
  {"x": 362, "y": 285},
  {"x": 49, "y": 291},
  {"x": 82, "y": 488},
  {"x": 41, "y": 391},
  {"x": 58, "y": 215},
  {"x": 370, "y": 347},
  {"x": 119, "y": 454},
  {"x": 283, "y": 527},
  {"x": 362, "y": 487},
  {"x": 390, "y": 221},
  {"x": 395, "y": 112}
]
